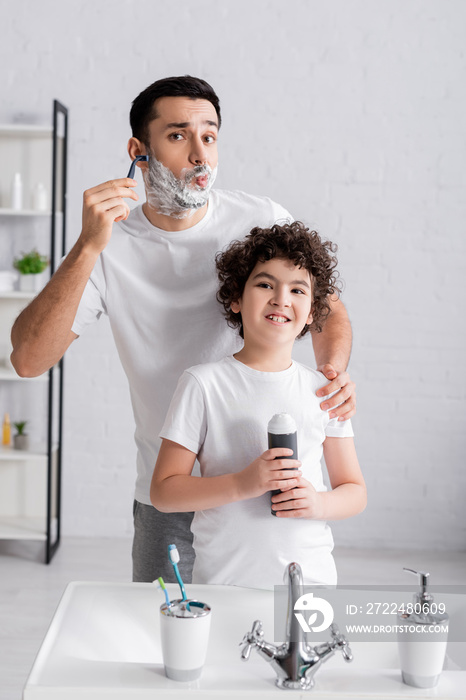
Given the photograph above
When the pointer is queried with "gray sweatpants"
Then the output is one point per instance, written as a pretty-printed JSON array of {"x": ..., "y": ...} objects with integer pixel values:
[{"x": 153, "y": 532}]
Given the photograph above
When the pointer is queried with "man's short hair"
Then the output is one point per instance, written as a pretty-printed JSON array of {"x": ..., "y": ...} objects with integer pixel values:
[
  {"x": 144, "y": 109},
  {"x": 290, "y": 241}
]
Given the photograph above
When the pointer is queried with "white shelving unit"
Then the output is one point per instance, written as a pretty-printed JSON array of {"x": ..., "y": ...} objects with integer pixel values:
[
  {"x": 23, "y": 212},
  {"x": 30, "y": 480},
  {"x": 9, "y": 454},
  {"x": 9, "y": 375},
  {"x": 13, "y": 294},
  {"x": 24, "y": 130},
  {"x": 17, "y": 528}
]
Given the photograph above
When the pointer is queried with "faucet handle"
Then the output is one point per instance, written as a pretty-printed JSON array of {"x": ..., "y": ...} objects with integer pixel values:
[
  {"x": 251, "y": 639},
  {"x": 339, "y": 641}
]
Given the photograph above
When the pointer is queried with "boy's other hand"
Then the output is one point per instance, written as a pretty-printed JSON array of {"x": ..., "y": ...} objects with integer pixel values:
[
  {"x": 302, "y": 501},
  {"x": 269, "y": 473},
  {"x": 343, "y": 402},
  {"x": 104, "y": 205}
]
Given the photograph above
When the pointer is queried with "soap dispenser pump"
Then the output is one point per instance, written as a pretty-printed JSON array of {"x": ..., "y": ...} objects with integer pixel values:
[{"x": 422, "y": 637}]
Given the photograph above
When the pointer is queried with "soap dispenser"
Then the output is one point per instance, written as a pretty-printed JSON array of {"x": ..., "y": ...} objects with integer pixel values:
[{"x": 422, "y": 637}]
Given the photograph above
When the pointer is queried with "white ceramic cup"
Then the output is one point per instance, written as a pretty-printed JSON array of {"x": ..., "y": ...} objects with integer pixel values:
[{"x": 184, "y": 628}]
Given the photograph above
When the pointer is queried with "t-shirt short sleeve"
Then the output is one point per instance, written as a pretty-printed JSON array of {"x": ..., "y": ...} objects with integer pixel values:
[
  {"x": 90, "y": 308},
  {"x": 186, "y": 422},
  {"x": 339, "y": 428},
  {"x": 280, "y": 214}
]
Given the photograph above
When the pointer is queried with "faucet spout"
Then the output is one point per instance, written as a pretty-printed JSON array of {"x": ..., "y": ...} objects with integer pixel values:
[
  {"x": 297, "y": 650},
  {"x": 294, "y": 661}
]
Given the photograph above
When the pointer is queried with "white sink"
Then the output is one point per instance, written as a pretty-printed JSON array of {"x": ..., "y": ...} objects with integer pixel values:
[{"x": 104, "y": 642}]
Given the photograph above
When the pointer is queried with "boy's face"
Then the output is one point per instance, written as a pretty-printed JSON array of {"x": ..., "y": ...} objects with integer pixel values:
[{"x": 276, "y": 302}]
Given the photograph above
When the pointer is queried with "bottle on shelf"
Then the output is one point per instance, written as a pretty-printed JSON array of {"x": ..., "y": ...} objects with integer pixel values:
[
  {"x": 40, "y": 197},
  {"x": 6, "y": 431},
  {"x": 17, "y": 192}
]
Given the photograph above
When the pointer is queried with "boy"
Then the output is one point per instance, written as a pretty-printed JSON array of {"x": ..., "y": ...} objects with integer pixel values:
[{"x": 275, "y": 287}]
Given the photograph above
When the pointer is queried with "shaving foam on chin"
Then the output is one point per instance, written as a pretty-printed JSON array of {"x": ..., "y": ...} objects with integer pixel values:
[{"x": 176, "y": 197}]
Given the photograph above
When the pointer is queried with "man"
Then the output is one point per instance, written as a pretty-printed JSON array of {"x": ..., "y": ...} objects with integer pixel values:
[{"x": 152, "y": 271}]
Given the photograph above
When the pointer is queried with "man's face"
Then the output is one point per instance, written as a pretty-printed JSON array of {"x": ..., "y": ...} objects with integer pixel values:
[
  {"x": 184, "y": 135},
  {"x": 182, "y": 149}
]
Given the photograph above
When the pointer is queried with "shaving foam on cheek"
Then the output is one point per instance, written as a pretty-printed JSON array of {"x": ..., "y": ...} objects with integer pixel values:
[{"x": 175, "y": 197}]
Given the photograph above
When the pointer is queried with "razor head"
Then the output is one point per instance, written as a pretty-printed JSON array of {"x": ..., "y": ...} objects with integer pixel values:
[{"x": 133, "y": 165}]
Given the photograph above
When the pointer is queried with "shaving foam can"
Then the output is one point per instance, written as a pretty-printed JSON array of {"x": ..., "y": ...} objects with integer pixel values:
[{"x": 282, "y": 432}]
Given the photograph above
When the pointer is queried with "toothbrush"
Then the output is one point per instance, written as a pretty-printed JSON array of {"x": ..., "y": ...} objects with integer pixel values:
[
  {"x": 174, "y": 557},
  {"x": 160, "y": 583}
]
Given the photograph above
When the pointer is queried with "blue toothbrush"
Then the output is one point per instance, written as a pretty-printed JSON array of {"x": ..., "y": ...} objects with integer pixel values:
[{"x": 174, "y": 557}]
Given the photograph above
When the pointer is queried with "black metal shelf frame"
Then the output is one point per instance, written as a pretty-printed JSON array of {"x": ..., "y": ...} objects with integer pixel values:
[{"x": 57, "y": 245}]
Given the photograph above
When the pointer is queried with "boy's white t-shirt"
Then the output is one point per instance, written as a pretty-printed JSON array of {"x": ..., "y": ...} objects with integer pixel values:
[
  {"x": 158, "y": 289},
  {"x": 220, "y": 411}
]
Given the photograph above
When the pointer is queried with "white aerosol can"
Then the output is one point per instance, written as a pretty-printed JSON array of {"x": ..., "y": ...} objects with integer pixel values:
[{"x": 282, "y": 432}]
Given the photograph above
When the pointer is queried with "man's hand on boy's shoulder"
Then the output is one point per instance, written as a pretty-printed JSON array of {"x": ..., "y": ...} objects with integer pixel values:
[{"x": 343, "y": 402}]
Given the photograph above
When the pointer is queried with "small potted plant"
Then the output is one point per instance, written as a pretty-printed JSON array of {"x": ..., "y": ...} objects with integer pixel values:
[
  {"x": 30, "y": 267},
  {"x": 21, "y": 439}
]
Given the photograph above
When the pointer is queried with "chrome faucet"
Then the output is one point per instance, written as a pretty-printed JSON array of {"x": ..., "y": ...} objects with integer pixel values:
[{"x": 295, "y": 662}]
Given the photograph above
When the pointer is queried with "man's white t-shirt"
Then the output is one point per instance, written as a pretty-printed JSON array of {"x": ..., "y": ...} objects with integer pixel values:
[
  {"x": 220, "y": 411},
  {"x": 158, "y": 288}
]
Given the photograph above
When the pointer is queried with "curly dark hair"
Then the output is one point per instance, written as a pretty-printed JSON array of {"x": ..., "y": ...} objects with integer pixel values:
[{"x": 292, "y": 241}]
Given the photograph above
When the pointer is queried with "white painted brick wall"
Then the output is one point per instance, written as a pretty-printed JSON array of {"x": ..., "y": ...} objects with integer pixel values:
[{"x": 350, "y": 113}]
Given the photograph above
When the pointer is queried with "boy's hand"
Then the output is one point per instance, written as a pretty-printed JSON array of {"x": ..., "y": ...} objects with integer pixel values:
[
  {"x": 346, "y": 393},
  {"x": 104, "y": 205},
  {"x": 302, "y": 501},
  {"x": 267, "y": 473}
]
